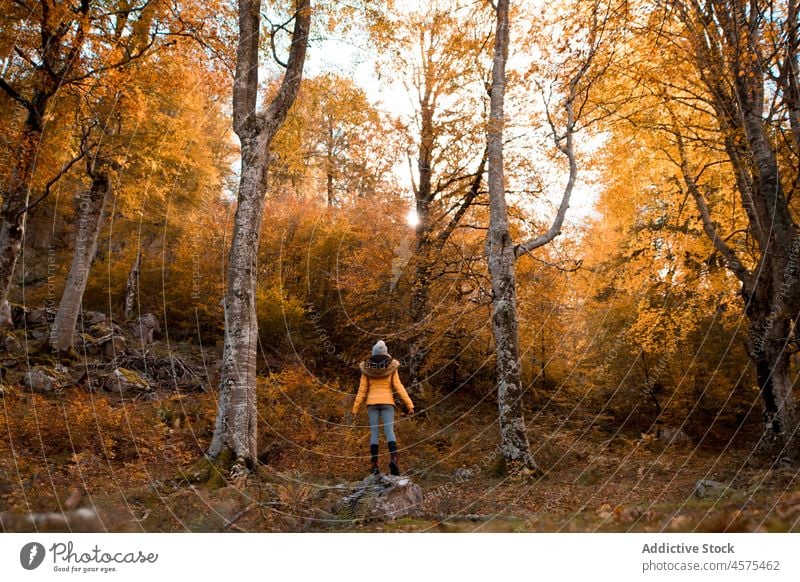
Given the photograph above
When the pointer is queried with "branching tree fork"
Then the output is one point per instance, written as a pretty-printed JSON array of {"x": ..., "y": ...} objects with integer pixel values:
[
  {"x": 235, "y": 436},
  {"x": 501, "y": 251},
  {"x": 745, "y": 55}
]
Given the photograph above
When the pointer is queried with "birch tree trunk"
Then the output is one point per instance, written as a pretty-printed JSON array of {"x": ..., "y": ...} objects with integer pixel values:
[
  {"x": 235, "y": 434},
  {"x": 514, "y": 446},
  {"x": 91, "y": 214},
  {"x": 502, "y": 253},
  {"x": 132, "y": 285}
]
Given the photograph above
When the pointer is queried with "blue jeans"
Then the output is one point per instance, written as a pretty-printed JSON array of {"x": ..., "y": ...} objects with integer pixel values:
[{"x": 378, "y": 413}]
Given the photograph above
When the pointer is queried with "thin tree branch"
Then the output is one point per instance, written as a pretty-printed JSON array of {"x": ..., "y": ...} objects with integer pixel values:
[
  {"x": 279, "y": 107},
  {"x": 82, "y": 151},
  {"x": 731, "y": 259},
  {"x": 473, "y": 193},
  {"x": 568, "y": 150},
  {"x": 11, "y": 92}
]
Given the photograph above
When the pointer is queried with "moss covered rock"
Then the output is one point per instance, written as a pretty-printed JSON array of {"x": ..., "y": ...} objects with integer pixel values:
[{"x": 124, "y": 381}]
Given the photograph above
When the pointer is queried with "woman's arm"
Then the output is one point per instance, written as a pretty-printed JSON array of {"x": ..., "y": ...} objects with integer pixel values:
[
  {"x": 401, "y": 390},
  {"x": 361, "y": 396}
]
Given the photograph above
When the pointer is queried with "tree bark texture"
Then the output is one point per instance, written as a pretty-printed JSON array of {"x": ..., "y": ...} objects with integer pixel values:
[
  {"x": 130, "y": 300},
  {"x": 731, "y": 56},
  {"x": 500, "y": 252},
  {"x": 12, "y": 213},
  {"x": 235, "y": 430},
  {"x": 91, "y": 214}
]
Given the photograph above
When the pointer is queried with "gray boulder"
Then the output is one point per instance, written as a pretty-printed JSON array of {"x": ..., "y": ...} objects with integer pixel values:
[
  {"x": 40, "y": 316},
  {"x": 19, "y": 314},
  {"x": 463, "y": 474},
  {"x": 92, "y": 318},
  {"x": 13, "y": 345},
  {"x": 671, "y": 435},
  {"x": 145, "y": 328},
  {"x": 80, "y": 520},
  {"x": 380, "y": 497},
  {"x": 40, "y": 381},
  {"x": 39, "y": 333},
  {"x": 708, "y": 489},
  {"x": 112, "y": 346}
]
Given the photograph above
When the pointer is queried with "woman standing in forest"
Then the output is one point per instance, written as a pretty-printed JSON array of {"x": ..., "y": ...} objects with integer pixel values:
[{"x": 379, "y": 382}]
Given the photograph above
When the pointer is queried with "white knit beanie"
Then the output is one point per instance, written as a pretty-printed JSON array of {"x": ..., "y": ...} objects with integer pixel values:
[{"x": 379, "y": 349}]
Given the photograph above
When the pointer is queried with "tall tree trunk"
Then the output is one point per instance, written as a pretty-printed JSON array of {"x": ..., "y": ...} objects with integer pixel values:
[
  {"x": 514, "y": 446},
  {"x": 775, "y": 302},
  {"x": 431, "y": 235},
  {"x": 729, "y": 54},
  {"x": 11, "y": 232},
  {"x": 770, "y": 297},
  {"x": 419, "y": 312},
  {"x": 236, "y": 422},
  {"x": 129, "y": 302},
  {"x": 12, "y": 213},
  {"x": 235, "y": 432},
  {"x": 91, "y": 214},
  {"x": 329, "y": 187},
  {"x": 419, "y": 309},
  {"x": 768, "y": 347},
  {"x": 330, "y": 167}
]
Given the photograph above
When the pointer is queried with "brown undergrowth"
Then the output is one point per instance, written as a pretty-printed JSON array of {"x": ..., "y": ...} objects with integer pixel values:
[{"x": 126, "y": 453}]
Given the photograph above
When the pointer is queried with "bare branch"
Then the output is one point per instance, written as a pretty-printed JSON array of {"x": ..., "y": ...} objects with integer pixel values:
[
  {"x": 127, "y": 59},
  {"x": 576, "y": 264},
  {"x": 474, "y": 190},
  {"x": 568, "y": 150},
  {"x": 279, "y": 107},
  {"x": 84, "y": 148},
  {"x": 274, "y": 29},
  {"x": 731, "y": 259}
]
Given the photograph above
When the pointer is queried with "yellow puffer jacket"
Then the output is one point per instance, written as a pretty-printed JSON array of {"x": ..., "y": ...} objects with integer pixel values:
[{"x": 378, "y": 386}]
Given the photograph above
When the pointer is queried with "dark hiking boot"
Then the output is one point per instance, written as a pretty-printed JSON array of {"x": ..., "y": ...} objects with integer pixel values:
[
  {"x": 373, "y": 451},
  {"x": 393, "y": 468}
]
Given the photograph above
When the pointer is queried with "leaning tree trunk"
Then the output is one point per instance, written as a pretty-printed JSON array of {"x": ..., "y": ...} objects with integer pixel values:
[
  {"x": 776, "y": 297},
  {"x": 500, "y": 251},
  {"x": 735, "y": 61},
  {"x": 235, "y": 437},
  {"x": 91, "y": 214},
  {"x": 770, "y": 295}
]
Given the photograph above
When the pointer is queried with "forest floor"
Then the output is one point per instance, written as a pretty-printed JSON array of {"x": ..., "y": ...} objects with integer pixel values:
[{"x": 125, "y": 456}]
